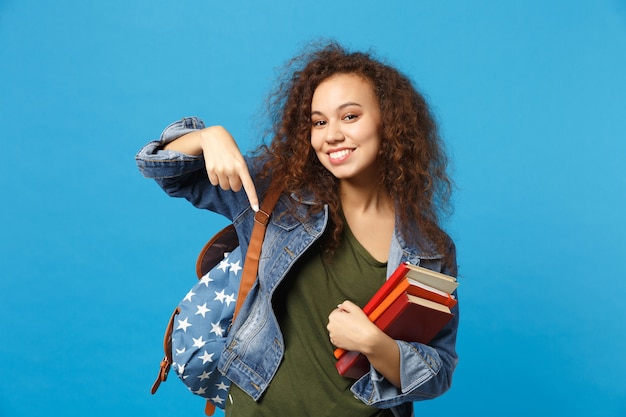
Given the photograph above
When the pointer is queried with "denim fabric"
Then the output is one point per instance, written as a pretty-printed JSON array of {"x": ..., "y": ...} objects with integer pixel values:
[{"x": 254, "y": 347}]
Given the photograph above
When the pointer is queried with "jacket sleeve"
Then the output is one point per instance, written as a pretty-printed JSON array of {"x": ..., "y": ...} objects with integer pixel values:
[
  {"x": 184, "y": 176},
  {"x": 425, "y": 369},
  {"x": 156, "y": 163}
]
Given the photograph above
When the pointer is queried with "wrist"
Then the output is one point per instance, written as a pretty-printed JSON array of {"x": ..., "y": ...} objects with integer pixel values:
[{"x": 376, "y": 342}]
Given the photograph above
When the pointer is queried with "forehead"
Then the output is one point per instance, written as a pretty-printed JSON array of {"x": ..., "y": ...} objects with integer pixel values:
[{"x": 341, "y": 88}]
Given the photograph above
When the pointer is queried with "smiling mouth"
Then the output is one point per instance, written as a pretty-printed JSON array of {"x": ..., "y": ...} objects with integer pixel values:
[{"x": 341, "y": 155}]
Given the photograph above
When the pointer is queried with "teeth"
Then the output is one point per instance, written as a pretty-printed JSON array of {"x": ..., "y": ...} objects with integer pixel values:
[{"x": 340, "y": 154}]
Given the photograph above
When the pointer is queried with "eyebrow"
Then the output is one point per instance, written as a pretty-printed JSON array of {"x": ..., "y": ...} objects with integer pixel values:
[{"x": 343, "y": 106}]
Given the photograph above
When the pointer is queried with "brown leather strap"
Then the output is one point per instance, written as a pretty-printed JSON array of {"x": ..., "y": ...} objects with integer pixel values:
[
  {"x": 167, "y": 360},
  {"x": 209, "y": 408},
  {"x": 251, "y": 264}
]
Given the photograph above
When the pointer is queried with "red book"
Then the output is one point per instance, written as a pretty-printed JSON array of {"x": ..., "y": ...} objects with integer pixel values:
[
  {"x": 430, "y": 282},
  {"x": 430, "y": 293},
  {"x": 408, "y": 318}
]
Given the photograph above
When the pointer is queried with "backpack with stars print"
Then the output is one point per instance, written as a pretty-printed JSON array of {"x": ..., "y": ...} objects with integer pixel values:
[{"x": 196, "y": 332}]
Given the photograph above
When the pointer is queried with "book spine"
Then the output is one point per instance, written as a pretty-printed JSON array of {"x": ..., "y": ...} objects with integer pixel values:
[{"x": 386, "y": 288}]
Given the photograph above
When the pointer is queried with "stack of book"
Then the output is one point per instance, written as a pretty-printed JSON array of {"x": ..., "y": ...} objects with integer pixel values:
[{"x": 412, "y": 305}]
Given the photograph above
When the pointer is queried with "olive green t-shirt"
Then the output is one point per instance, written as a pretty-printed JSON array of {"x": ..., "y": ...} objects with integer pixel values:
[{"x": 307, "y": 383}]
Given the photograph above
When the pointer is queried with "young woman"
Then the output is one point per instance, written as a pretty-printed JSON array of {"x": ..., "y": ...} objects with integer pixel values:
[{"x": 362, "y": 171}]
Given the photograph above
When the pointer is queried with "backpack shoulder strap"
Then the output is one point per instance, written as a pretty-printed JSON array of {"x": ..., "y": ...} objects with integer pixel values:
[{"x": 251, "y": 264}]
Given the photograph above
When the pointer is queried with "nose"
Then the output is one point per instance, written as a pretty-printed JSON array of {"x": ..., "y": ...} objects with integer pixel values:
[{"x": 333, "y": 132}]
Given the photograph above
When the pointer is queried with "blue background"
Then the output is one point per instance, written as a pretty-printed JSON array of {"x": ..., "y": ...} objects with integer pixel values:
[{"x": 530, "y": 96}]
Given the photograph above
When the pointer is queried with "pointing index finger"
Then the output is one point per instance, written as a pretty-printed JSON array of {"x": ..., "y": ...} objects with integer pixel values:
[{"x": 250, "y": 190}]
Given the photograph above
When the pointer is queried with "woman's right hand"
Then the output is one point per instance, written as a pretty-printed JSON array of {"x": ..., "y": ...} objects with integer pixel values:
[{"x": 224, "y": 162}]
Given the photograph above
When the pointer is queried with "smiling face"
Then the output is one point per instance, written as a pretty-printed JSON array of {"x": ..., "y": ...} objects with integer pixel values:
[{"x": 345, "y": 132}]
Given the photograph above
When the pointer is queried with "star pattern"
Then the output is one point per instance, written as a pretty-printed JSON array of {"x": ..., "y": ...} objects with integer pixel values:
[
  {"x": 183, "y": 324},
  {"x": 222, "y": 386},
  {"x": 204, "y": 375},
  {"x": 205, "y": 280},
  {"x": 220, "y": 296},
  {"x": 230, "y": 299},
  {"x": 202, "y": 310},
  {"x": 207, "y": 357},
  {"x": 217, "y": 330},
  {"x": 224, "y": 265},
  {"x": 234, "y": 267},
  {"x": 189, "y": 295},
  {"x": 217, "y": 400},
  {"x": 198, "y": 340}
]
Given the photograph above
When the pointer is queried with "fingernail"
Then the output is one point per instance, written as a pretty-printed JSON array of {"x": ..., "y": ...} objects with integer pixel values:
[{"x": 255, "y": 207}]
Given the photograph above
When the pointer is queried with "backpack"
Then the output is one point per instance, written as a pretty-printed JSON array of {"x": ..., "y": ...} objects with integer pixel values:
[{"x": 197, "y": 329}]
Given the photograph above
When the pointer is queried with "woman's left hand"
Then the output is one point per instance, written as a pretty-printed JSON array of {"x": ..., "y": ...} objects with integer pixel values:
[{"x": 349, "y": 328}]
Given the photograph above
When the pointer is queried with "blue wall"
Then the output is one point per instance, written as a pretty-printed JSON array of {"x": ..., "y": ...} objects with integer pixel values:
[{"x": 530, "y": 97}]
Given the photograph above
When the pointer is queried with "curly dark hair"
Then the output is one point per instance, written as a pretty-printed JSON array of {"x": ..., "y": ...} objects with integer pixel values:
[{"x": 413, "y": 162}]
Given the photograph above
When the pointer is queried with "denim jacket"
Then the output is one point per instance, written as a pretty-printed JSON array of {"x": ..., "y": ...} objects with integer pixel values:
[{"x": 254, "y": 347}]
